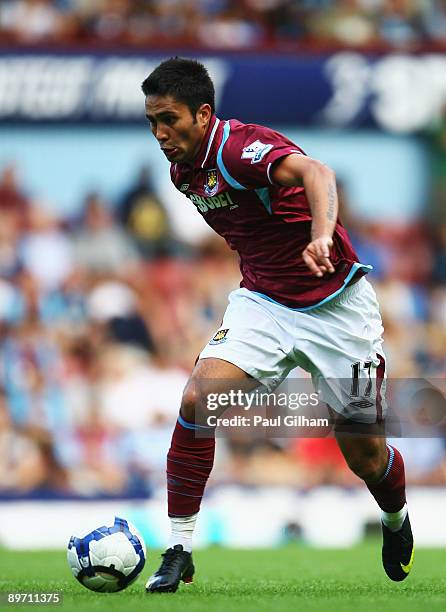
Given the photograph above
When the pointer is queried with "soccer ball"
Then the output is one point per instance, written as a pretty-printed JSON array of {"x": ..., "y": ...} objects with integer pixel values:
[{"x": 108, "y": 558}]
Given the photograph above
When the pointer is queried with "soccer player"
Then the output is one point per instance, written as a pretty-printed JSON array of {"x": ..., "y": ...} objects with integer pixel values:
[{"x": 303, "y": 301}]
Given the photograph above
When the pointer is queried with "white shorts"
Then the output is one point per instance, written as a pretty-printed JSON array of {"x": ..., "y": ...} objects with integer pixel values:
[{"x": 338, "y": 343}]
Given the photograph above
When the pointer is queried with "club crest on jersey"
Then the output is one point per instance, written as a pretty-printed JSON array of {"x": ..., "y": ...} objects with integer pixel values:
[
  {"x": 220, "y": 336},
  {"x": 211, "y": 183},
  {"x": 256, "y": 151}
]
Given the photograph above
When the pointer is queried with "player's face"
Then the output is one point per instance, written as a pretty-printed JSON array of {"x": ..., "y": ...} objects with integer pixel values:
[{"x": 178, "y": 132}]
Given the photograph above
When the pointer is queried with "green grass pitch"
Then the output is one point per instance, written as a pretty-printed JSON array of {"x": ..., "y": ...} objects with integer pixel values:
[{"x": 284, "y": 579}]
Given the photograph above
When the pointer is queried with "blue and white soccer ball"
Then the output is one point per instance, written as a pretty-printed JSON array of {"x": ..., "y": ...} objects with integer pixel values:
[{"x": 108, "y": 558}]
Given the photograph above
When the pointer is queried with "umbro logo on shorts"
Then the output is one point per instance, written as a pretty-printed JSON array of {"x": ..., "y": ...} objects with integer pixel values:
[
  {"x": 220, "y": 336},
  {"x": 361, "y": 404}
]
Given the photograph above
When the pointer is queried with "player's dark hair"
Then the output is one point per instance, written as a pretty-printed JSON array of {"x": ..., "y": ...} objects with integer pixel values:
[{"x": 186, "y": 80}]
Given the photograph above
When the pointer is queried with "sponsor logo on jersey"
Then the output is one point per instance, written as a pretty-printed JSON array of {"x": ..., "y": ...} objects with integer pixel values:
[
  {"x": 184, "y": 187},
  {"x": 256, "y": 151},
  {"x": 211, "y": 183},
  {"x": 204, "y": 205},
  {"x": 220, "y": 336}
]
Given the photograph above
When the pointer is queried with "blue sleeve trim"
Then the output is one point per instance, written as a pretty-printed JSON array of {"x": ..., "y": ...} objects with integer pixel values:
[
  {"x": 355, "y": 267},
  {"x": 188, "y": 425},
  {"x": 263, "y": 193},
  {"x": 221, "y": 166}
]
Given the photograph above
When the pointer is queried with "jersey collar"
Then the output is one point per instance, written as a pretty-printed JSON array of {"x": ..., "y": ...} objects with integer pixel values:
[{"x": 206, "y": 145}]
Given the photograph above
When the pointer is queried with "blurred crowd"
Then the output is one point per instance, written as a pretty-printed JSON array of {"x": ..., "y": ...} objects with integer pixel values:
[
  {"x": 227, "y": 24},
  {"x": 102, "y": 316}
]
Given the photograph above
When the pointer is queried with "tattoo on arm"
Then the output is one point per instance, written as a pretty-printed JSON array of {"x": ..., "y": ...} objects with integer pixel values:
[{"x": 331, "y": 202}]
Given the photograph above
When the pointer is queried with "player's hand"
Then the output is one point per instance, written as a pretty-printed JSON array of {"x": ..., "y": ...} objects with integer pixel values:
[{"x": 317, "y": 256}]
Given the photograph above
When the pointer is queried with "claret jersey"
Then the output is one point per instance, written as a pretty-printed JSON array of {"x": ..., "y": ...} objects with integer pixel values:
[{"x": 269, "y": 225}]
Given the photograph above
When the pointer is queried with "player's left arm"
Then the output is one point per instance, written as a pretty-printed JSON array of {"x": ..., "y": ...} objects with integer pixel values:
[{"x": 319, "y": 182}]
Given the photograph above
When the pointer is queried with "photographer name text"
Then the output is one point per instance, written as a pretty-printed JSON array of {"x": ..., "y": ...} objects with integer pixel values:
[{"x": 294, "y": 420}]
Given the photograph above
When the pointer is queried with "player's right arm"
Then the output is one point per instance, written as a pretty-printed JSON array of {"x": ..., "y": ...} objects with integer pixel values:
[{"x": 319, "y": 183}]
